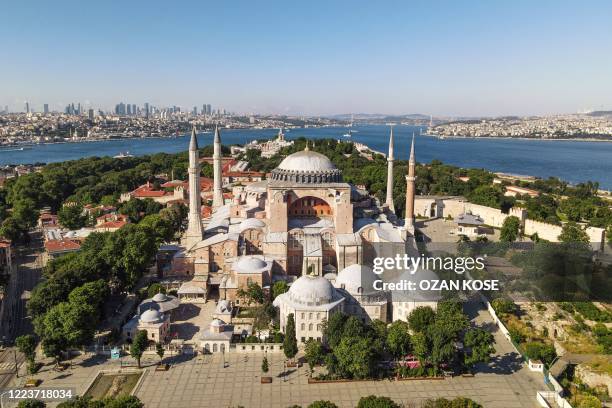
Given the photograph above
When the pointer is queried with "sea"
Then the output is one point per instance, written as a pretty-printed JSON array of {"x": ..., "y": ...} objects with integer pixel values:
[{"x": 573, "y": 161}]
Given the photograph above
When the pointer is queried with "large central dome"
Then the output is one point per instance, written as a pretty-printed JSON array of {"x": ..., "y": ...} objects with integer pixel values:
[{"x": 307, "y": 167}]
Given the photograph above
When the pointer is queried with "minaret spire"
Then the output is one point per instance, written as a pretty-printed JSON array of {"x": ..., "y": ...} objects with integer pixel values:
[
  {"x": 410, "y": 189},
  {"x": 217, "y": 183},
  {"x": 193, "y": 234},
  {"x": 390, "y": 158}
]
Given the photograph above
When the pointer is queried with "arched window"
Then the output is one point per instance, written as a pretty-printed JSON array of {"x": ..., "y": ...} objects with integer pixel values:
[
  {"x": 310, "y": 327},
  {"x": 214, "y": 347},
  {"x": 303, "y": 326}
]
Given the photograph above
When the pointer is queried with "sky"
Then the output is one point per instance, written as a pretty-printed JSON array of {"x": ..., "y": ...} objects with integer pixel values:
[{"x": 445, "y": 58}]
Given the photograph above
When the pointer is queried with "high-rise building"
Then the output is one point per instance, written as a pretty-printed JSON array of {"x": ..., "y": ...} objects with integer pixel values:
[
  {"x": 90, "y": 114},
  {"x": 27, "y": 107},
  {"x": 208, "y": 109},
  {"x": 146, "y": 109},
  {"x": 46, "y": 108},
  {"x": 134, "y": 109},
  {"x": 120, "y": 109},
  {"x": 195, "y": 111},
  {"x": 129, "y": 109}
]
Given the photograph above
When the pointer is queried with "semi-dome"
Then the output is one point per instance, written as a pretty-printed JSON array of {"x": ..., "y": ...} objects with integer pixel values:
[
  {"x": 307, "y": 167},
  {"x": 313, "y": 290},
  {"x": 151, "y": 316},
  {"x": 249, "y": 264},
  {"x": 357, "y": 280},
  {"x": 217, "y": 323}
]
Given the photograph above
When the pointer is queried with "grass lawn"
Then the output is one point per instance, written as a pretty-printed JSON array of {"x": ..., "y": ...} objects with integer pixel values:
[{"x": 113, "y": 385}]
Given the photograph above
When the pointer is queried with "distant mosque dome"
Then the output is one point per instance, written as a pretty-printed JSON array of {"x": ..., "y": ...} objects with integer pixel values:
[
  {"x": 309, "y": 290},
  {"x": 307, "y": 167}
]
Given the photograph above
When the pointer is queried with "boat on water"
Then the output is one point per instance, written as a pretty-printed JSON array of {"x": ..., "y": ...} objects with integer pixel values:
[
  {"x": 122, "y": 155},
  {"x": 348, "y": 134}
]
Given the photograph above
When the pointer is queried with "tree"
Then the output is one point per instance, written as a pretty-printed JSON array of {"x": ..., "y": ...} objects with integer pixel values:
[
  {"x": 510, "y": 229},
  {"x": 27, "y": 345},
  {"x": 480, "y": 345},
  {"x": 264, "y": 365},
  {"x": 279, "y": 288},
  {"x": 333, "y": 329},
  {"x": 589, "y": 401},
  {"x": 71, "y": 216},
  {"x": 398, "y": 339},
  {"x": 420, "y": 347},
  {"x": 503, "y": 306},
  {"x": 31, "y": 403},
  {"x": 290, "y": 343},
  {"x": 420, "y": 318},
  {"x": 322, "y": 404},
  {"x": 314, "y": 353},
  {"x": 139, "y": 345},
  {"x": 253, "y": 294},
  {"x": 459, "y": 402},
  {"x": 159, "y": 349},
  {"x": 356, "y": 357},
  {"x": 154, "y": 289},
  {"x": 373, "y": 401},
  {"x": 122, "y": 401},
  {"x": 572, "y": 232},
  {"x": 161, "y": 227}
]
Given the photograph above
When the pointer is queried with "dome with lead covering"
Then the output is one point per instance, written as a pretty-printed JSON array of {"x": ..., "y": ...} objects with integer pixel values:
[
  {"x": 357, "y": 280},
  {"x": 249, "y": 264},
  {"x": 307, "y": 167},
  {"x": 160, "y": 297},
  {"x": 312, "y": 289},
  {"x": 151, "y": 316}
]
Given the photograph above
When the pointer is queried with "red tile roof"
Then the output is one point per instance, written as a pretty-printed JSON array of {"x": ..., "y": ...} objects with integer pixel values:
[
  {"x": 61, "y": 245},
  {"x": 111, "y": 224}
]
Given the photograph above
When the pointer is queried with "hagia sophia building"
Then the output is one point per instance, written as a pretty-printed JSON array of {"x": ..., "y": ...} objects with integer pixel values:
[{"x": 302, "y": 224}]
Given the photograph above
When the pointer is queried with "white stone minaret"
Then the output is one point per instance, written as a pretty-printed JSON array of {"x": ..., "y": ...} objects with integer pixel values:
[
  {"x": 217, "y": 182},
  {"x": 410, "y": 190},
  {"x": 193, "y": 234},
  {"x": 390, "y": 158}
]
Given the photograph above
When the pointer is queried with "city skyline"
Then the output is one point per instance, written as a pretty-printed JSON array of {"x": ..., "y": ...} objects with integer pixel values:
[{"x": 451, "y": 60}]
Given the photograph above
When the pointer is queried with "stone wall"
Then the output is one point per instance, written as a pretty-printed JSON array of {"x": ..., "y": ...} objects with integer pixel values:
[{"x": 442, "y": 207}]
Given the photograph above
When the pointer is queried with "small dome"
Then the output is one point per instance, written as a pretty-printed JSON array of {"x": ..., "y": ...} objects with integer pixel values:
[
  {"x": 151, "y": 316},
  {"x": 306, "y": 160},
  {"x": 251, "y": 223},
  {"x": 160, "y": 297},
  {"x": 312, "y": 289},
  {"x": 249, "y": 264},
  {"x": 357, "y": 279}
]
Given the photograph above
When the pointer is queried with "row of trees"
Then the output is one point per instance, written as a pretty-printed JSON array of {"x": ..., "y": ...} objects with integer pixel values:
[
  {"x": 375, "y": 401},
  {"x": 68, "y": 305},
  {"x": 124, "y": 401},
  {"x": 355, "y": 349}
]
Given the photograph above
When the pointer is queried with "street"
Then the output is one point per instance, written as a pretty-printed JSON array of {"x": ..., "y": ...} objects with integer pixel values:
[{"x": 15, "y": 322}]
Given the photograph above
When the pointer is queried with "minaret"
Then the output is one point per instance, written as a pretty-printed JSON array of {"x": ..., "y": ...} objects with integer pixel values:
[
  {"x": 410, "y": 178},
  {"x": 389, "y": 200},
  {"x": 217, "y": 184},
  {"x": 193, "y": 234}
]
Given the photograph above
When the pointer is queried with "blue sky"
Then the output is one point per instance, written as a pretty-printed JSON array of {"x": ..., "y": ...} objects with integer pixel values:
[{"x": 312, "y": 57}]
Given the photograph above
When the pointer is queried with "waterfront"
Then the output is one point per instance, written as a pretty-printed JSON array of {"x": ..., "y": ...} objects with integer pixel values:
[{"x": 574, "y": 161}]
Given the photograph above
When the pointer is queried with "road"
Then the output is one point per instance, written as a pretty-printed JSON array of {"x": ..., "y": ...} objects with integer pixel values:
[{"x": 15, "y": 322}]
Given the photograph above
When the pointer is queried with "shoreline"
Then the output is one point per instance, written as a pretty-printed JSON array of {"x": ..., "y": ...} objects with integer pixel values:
[{"x": 521, "y": 138}]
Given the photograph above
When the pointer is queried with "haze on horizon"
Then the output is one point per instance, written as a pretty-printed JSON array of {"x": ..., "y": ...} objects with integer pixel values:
[{"x": 443, "y": 58}]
